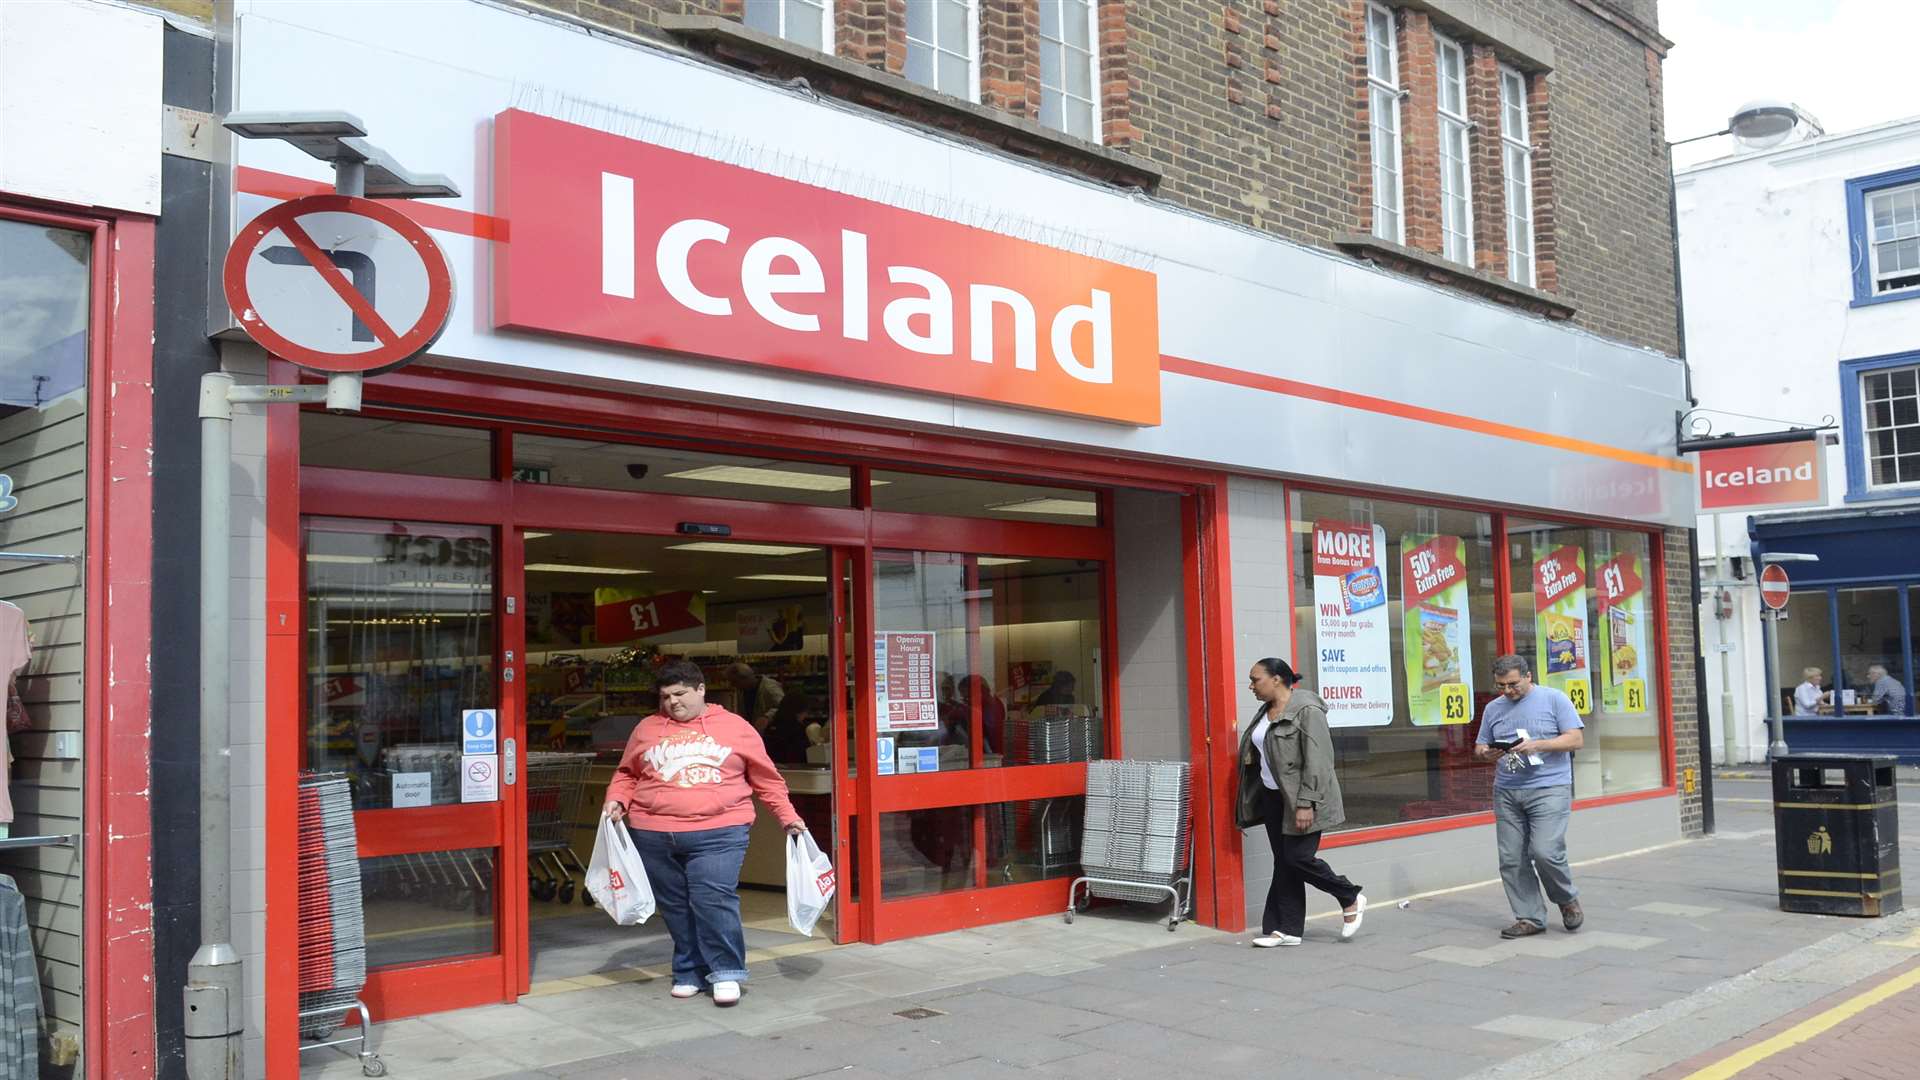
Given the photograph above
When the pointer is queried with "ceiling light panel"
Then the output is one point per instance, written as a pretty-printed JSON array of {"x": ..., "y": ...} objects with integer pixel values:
[
  {"x": 576, "y": 568},
  {"x": 755, "y": 476},
  {"x": 727, "y": 548}
]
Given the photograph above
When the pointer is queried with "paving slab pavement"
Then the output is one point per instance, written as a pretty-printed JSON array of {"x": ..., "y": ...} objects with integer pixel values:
[{"x": 1684, "y": 949}]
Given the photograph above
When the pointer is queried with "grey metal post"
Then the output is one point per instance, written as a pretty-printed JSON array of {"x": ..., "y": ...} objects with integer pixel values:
[
  {"x": 1775, "y": 722},
  {"x": 215, "y": 999},
  {"x": 1729, "y": 724}
]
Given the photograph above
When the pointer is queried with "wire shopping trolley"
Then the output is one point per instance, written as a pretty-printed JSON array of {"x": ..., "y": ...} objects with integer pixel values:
[{"x": 555, "y": 784}]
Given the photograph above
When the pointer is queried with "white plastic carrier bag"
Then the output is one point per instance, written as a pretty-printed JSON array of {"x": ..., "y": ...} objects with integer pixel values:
[
  {"x": 809, "y": 882},
  {"x": 616, "y": 879}
]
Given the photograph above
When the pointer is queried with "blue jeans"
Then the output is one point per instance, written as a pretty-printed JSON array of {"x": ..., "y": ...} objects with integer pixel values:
[
  {"x": 1530, "y": 825},
  {"x": 696, "y": 888}
]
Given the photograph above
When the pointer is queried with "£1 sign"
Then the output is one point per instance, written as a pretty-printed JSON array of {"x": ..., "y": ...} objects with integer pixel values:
[{"x": 622, "y": 241}]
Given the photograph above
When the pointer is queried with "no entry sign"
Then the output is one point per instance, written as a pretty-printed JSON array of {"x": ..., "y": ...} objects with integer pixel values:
[
  {"x": 339, "y": 284},
  {"x": 1774, "y": 587}
]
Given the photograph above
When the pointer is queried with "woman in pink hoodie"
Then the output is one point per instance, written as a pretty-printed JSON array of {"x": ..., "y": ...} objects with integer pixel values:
[{"x": 685, "y": 787}]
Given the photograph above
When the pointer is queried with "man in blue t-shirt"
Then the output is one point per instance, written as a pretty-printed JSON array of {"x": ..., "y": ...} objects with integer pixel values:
[{"x": 1532, "y": 730}]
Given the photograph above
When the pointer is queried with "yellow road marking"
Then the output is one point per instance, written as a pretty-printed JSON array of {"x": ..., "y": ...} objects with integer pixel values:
[
  {"x": 1911, "y": 941},
  {"x": 1807, "y": 1029}
]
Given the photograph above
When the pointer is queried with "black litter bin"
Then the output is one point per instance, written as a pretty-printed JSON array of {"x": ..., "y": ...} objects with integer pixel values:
[{"x": 1836, "y": 829}]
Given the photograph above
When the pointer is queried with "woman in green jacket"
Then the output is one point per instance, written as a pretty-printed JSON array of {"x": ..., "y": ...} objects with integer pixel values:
[{"x": 1287, "y": 784}]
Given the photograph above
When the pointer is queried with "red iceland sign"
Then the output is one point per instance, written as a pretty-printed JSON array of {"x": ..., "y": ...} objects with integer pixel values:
[
  {"x": 1772, "y": 476},
  {"x": 617, "y": 240}
]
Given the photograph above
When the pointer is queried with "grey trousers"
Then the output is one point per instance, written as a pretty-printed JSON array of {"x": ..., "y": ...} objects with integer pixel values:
[{"x": 1531, "y": 825}]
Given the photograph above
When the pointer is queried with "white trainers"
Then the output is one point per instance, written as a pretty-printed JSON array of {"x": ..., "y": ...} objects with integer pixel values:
[
  {"x": 684, "y": 990},
  {"x": 1274, "y": 940},
  {"x": 1348, "y": 929},
  {"x": 726, "y": 993}
]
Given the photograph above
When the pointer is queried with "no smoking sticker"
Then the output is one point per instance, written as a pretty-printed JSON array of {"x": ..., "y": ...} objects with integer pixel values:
[
  {"x": 339, "y": 284},
  {"x": 479, "y": 778}
]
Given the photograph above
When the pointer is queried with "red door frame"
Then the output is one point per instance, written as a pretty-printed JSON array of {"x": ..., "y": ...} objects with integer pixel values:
[
  {"x": 543, "y": 408},
  {"x": 117, "y": 1032}
]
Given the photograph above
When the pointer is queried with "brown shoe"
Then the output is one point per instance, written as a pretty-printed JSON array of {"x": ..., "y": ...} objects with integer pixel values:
[
  {"x": 1522, "y": 928},
  {"x": 1571, "y": 916}
]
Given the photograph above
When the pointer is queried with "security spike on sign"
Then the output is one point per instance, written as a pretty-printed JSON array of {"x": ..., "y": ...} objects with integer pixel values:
[
  {"x": 339, "y": 285},
  {"x": 1775, "y": 587}
]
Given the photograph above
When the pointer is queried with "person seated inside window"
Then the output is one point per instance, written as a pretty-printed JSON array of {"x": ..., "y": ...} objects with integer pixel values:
[
  {"x": 1886, "y": 694},
  {"x": 1808, "y": 697}
]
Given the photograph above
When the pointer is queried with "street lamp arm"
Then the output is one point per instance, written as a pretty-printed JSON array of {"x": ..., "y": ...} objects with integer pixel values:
[{"x": 1699, "y": 138}]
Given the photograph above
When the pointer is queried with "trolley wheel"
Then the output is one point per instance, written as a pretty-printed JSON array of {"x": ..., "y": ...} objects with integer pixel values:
[
  {"x": 586, "y": 899},
  {"x": 1173, "y": 923},
  {"x": 566, "y": 891},
  {"x": 1069, "y": 916},
  {"x": 373, "y": 1066}
]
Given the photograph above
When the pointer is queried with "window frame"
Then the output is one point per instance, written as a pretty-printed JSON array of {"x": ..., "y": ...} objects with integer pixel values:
[
  {"x": 973, "y": 49},
  {"x": 780, "y": 20},
  {"x": 1853, "y": 390},
  {"x": 1659, "y": 605},
  {"x": 1453, "y": 126},
  {"x": 1520, "y": 143},
  {"x": 1393, "y": 93},
  {"x": 1098, "y": 127},
  {"x": 1860, "y": 255}
]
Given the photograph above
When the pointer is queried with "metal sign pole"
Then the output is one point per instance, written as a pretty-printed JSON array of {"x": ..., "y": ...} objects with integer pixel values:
[
  {"x": 1776, "y": 724},
  {"x": 214, "y": 995}
]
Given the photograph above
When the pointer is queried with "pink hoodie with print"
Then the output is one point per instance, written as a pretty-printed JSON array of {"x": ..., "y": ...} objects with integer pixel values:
[{"x": 701, "y": 774}]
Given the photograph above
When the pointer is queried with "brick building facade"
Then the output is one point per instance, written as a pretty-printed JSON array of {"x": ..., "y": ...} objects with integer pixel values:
[{"x": 1254, "y": 111}]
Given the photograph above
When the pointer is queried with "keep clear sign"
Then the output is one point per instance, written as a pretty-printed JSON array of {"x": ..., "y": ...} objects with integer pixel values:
[
  {"x": 1560, "y": 616},
  {"x": 1350, "y": 617},
  {"x": 1437, "y": 628},
  {"x": 1623, "y": 608}
]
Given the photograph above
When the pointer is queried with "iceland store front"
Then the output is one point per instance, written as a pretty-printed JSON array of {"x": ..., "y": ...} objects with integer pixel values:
[{"x": 719, "y": 385}]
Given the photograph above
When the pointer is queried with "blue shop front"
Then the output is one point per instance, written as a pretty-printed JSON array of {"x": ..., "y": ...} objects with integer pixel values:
[{"x": 1853, "y": 615}]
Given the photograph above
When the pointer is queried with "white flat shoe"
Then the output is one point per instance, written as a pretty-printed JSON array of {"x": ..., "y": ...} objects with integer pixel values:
[
  {"x": 1274, "y": 940},
  {"x": 1348, "y": 929},
  {"x": 726, "y": 993},
  {"x": 684, "y": 990}
]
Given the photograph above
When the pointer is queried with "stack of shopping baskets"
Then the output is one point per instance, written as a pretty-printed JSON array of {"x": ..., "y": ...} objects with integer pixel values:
[
  {"x": 1051, "y": 735},
  {"x": 1136, "y": 842},
  {"x": 333, "y": 939}
]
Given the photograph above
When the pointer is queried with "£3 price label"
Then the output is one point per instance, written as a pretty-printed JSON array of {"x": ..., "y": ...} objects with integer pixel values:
[
  {"x": 1633, "y": 695},
  {"x": 1455, "y": 703},
  {"x": 1577, "y": 693}
]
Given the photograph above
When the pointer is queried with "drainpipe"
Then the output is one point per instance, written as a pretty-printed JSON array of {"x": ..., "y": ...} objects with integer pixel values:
[{"x": 215, "y": 999}]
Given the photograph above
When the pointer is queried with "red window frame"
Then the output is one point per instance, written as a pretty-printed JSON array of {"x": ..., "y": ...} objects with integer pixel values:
[{"x": 1503, "y": 615}]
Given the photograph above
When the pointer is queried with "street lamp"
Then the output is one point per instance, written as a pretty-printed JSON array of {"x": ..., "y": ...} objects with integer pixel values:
[
  {"x": 1776, "y": 724},
  {"x": 1761, "y": 123},
  {"x": 1757, "y": 124},
  {"x": 338, "y": 138}
]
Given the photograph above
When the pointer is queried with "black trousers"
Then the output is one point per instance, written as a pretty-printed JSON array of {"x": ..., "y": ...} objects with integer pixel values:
[{"x": 1296, "y": 865}]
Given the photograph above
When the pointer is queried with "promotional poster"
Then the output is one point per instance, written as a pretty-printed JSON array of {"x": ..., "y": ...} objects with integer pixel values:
[
  {"x": 1560, "y": 616},
  {"x": 1436, "y": 628},
  {"x": 1355, "y": 665}
]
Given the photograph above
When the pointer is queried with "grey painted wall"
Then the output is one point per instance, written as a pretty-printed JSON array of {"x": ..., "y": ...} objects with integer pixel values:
[{"x": 1150, "y": 624}]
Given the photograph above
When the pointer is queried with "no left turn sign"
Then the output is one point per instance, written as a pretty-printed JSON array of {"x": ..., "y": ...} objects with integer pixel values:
[{"x": 339, "y": 284}]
